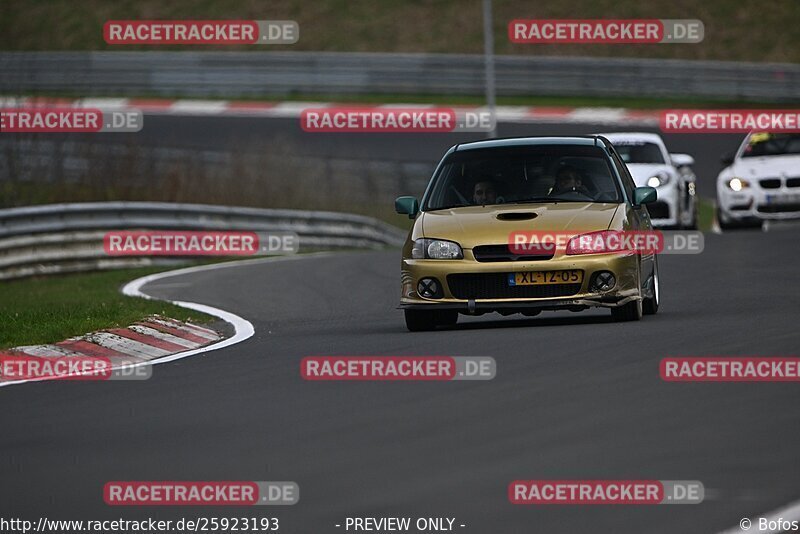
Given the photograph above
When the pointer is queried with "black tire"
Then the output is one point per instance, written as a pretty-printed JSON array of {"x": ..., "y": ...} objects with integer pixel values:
[
  {"x": 650, "y": 305},
  {"x": 724, "y": 225},
  {"x": 427, "y": 320},
  {"x": 631, "y": 311},
  {"x": 693, "y": 224},
  {"x": 738, "y": 225}
]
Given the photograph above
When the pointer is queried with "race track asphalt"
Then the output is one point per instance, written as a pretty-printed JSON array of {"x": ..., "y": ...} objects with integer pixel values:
[{"x": 576, "y": 396}]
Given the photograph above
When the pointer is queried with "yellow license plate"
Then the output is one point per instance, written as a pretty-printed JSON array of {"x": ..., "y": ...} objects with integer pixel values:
[{"x": 545, "y": 278}]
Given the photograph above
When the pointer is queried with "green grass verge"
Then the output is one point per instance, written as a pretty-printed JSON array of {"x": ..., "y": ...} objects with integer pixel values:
[
  {"x": 705, "y": 214},
  {"x": 49, "y": 309},
  {"x": 465, "y": 100},
  {"x": 734, "y": 29}
]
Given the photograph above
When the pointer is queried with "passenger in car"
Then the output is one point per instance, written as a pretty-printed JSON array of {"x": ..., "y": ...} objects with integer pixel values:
[
  {"x": 568, "y": 180},
  {"x": 484, "y": 192}
]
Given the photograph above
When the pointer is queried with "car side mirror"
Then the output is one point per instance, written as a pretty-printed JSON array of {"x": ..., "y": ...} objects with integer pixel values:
[
  {"x": 727, "y": 159},
  {"x": 682, "y": 160},
  {"x": 407, "y": 206},
  {"x": 644, "y": 195}
]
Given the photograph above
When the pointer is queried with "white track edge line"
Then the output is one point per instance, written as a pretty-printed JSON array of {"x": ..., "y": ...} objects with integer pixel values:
[{"x": 243, "y": 329}]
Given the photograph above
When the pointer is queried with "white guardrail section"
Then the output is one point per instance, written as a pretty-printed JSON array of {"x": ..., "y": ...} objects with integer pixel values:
[
  {"x": 58, "y": 238},
  {"x": 253, "y": 74}
]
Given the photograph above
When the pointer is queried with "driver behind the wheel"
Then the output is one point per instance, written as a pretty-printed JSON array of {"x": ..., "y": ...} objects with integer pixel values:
[
  {"x": 484, "y": 192},
  {"x": 568, "y": 180}
]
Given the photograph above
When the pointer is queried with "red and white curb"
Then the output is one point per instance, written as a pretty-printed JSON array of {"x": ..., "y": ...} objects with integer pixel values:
[
  {"x": 243, "y": 329},
  {"x": 150, "y": 339},
  {"x": 195, "y": 108}
]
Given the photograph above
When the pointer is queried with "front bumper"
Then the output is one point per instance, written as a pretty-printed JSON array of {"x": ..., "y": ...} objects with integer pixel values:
[
  {"x": 755, "y": 203},
  {"x": 624, "y": 267},
  {"x": 664, "y": 211}
]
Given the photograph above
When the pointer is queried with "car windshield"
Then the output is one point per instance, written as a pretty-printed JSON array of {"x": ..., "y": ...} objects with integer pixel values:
[
  {"x": 638, "y": 152},
  {"x": 523, "y": 174},
  {"x": 771, "y": 144}
]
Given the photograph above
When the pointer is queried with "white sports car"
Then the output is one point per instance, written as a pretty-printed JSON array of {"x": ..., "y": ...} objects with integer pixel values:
[
  {"x": 761, "y": 181},
  {"x": 671, "y": 174}
]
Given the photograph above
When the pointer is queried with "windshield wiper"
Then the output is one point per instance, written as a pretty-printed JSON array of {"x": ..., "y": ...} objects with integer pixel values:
[
  {"x": 543, "y": 199},
  {"x": 451, "y": 207},
  {"x": 552, "y": 200}
]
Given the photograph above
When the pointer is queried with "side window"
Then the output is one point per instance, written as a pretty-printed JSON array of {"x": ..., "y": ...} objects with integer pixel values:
[{"x": 627, "y": 180}]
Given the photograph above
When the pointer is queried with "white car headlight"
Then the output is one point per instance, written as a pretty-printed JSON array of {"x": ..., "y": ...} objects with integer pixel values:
[
  {"x": 436, "y": 249},
  {"x": 658, "y": 179},
  {"x": 737, "y": 184}
]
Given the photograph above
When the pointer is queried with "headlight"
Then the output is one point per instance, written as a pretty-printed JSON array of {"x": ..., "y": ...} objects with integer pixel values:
[
  {"x": 593, "y": 242},
  {"x": 658, "y": 180},
  {"x": 436, "y": 249},
  {"x": 615, "y": 242},
  {"x": 737, "y": 184}
]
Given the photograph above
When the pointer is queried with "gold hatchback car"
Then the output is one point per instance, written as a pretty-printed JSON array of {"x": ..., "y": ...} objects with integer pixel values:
[{"x": 523, "y": 225}]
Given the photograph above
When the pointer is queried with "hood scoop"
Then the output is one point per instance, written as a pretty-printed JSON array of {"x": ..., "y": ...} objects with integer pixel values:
[{"x": 517, "y": 216}]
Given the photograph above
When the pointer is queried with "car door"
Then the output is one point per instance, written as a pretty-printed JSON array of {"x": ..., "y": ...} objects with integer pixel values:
[{"x": 637, "y": 219}]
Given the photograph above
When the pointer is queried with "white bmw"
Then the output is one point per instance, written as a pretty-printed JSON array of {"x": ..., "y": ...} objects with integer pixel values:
[
  {"x": 761, "y": 181},
  {"x": 671, "y": 174}
]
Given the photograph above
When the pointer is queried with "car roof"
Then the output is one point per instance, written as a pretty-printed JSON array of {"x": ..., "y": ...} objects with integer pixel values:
[
  {"x": 633, "y": 136},
  {"x": 531, "y": 141}
]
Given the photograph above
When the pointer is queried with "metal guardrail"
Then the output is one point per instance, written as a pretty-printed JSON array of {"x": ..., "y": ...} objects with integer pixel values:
[
  {"x": 57, "y": 238},
  {"x": 236, "y": 74},
  {"x": 342, "y": 179}
]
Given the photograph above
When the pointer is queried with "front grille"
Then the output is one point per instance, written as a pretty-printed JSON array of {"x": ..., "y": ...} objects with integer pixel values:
[
  {"x": 658, "y": 210},
  {"x": 779, "y": 208},
  {"x": 495, "y": 286},
  {"x": 793, "y": 182},
  {"x": 770, "y": 183},
  {"x": 490, "y": 253}
]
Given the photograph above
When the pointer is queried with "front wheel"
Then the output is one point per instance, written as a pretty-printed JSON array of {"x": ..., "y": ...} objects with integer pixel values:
[
  {"x": 650, "y": 305},
  {"x": 692, "y": 224},
  {"x": 427, "y": 320},
  {"x": 631, "y": 311},
  {"x": 726, "y": 223}
]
